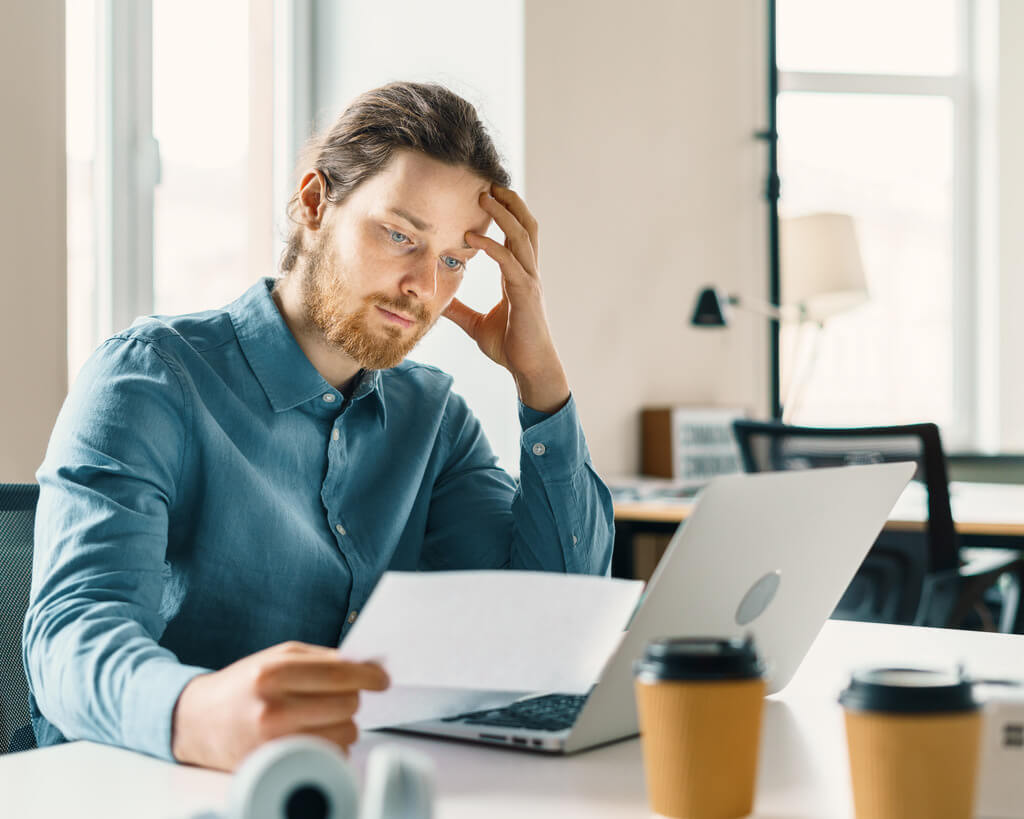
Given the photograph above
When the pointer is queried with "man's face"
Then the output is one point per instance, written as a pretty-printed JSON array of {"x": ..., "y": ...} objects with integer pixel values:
[{"x": 387, "y": 261}]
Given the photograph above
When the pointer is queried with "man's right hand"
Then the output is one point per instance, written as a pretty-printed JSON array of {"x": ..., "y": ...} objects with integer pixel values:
[{"x": 290, "y": 688}]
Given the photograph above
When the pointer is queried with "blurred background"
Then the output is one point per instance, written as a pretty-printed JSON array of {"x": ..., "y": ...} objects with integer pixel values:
[{"x": 149, "y": 149}]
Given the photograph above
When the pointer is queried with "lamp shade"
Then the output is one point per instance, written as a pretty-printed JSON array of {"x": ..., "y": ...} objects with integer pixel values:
[
  {"x": 710, "y": 309},
  {"x": 821, "y": 265}
]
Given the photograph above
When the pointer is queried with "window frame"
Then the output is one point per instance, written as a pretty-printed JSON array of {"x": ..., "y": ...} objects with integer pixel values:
[
  {"x": 127, "y": 164},
  {"x": 127, "y": 157}
]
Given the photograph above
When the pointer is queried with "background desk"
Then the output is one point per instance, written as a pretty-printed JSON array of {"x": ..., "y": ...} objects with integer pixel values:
[
  {"x": 803, "y": 770},
  {"x": 985, "y": 514}
]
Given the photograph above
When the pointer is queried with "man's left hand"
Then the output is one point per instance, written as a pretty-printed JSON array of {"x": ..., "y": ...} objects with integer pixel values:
[{"x": 515, "y": 332}]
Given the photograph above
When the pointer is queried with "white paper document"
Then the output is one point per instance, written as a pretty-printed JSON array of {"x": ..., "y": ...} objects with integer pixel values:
[{"x": 466, "y": 640}]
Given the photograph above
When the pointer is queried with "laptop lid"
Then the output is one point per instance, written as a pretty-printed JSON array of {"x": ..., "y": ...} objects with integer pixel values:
[{"x": 768, "y": 554}]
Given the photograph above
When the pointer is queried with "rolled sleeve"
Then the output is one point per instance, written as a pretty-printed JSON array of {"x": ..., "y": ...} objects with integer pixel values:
[
  {"x": 557, "y": 518},
  {"x": 557, "y": 477},
  {"x": 555, "y": 443},
  {"x": 149, "y": 705}
]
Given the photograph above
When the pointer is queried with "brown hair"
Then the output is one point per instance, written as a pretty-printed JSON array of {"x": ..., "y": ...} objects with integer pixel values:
[{"x": 424, "y": 117}]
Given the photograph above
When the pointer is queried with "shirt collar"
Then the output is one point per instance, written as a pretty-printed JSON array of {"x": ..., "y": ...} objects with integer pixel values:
[
  {"x": 371, "y": 383},
  {"x": 282, "y": 369}
]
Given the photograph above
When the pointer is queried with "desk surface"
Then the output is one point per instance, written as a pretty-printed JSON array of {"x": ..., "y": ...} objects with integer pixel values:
[
  {"x": 978, "y": 509},
  {"x": 803, "y": 763}
]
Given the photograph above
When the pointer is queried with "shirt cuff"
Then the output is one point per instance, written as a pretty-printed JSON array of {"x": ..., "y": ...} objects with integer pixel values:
[
  {"x": 149, "y": 705},
  {"x": 529, "y": 417},
  {"x": 555, "y": 443}
]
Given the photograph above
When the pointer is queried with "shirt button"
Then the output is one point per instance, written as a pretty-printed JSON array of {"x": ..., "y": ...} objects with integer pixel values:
[
  {"x": 539, "y": 449},
  {"x": 352, "y": 617},
  {"x": 575, "y": 540},
  {"x": 335, "y": 435},
  {"x": 329, "y": 397},
  {"x": 340, "y": 529}
]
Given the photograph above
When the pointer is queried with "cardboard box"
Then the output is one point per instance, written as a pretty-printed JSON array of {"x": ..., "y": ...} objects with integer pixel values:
[{"x": 688, "y": 443}]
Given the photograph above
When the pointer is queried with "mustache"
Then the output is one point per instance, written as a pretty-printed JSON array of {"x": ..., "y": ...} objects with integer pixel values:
[{"x": 405, "y": 305}]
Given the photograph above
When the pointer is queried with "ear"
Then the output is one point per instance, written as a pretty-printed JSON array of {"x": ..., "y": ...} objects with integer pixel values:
[{"x": 312, "y": 199}]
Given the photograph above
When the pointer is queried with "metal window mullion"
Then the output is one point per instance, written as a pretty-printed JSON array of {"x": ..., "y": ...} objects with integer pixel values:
[
  {"x": 293, "y": 100},
  {"x": 966, "y": 396},
  {"x": 988, "y": 357},
  {"x": 896, "y": 84},
  {"x": 128, "y": 164}
]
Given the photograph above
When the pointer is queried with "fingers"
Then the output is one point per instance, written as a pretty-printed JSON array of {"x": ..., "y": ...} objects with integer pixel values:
[
  {"x": 318, "y": 674},
  {"x": 290, "y": 714},
  {"x": 316, "y": 710},
  {"x": 517, "y": 207},
  {"x": 466, "y": 317},
  {"x": 518, "y": 237},
  {"x": 343, "y": 735},
  {"x": 513, "y": 272}
]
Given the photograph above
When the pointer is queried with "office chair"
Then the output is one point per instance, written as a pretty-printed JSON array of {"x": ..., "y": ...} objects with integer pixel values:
[
  {"x": 17, "y": 521},
  {"x": 908, "y": 577}
]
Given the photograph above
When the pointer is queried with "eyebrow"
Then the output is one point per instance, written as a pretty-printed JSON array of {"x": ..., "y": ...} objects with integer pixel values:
[{"x": 419, "y": 224}]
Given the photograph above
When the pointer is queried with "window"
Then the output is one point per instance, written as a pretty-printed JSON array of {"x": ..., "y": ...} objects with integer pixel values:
[
  {"x": 171, "y": 207},
  {"x": 200, "y": 121},
  {"x": 83, "y": 332},
  {"x": 875, "y": 120}
]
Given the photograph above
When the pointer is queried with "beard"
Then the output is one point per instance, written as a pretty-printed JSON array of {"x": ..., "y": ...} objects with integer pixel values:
[{"x": 325, "y": 294}]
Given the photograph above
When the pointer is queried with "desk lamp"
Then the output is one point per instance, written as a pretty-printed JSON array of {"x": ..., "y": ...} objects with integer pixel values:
[{"x": 822, "y": 276}]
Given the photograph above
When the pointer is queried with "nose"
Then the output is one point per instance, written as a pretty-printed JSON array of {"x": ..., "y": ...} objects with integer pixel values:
[{"x": 420, "y": 280}]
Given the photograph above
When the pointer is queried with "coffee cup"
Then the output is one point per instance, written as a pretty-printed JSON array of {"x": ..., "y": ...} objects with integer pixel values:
[
  {"x": 699, "y": 702},
  {"x": 913, "y": 737}
]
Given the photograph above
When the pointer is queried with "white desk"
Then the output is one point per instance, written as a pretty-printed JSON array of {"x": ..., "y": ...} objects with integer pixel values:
[{"x": 803, "y": 770}]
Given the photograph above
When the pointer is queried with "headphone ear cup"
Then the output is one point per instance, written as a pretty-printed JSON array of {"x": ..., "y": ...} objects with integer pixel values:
[
  {"x": 302, "y": 777},
  {"x": 399, "y": 784}
]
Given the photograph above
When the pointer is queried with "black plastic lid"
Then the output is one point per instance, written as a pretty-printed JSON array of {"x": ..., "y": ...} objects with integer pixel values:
[
  {"x": 908, "y": 691},
  {"x": 699, "y": 658}
]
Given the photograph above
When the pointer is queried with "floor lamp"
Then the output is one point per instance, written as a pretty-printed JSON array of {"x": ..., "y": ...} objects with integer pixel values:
[{"x": 821, "y": 276}]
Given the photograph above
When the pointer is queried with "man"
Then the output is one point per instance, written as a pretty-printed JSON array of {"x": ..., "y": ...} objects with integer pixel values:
[{"x": 223, "y": 490}]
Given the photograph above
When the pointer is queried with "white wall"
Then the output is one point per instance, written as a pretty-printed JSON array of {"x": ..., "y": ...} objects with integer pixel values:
[
  {"x": 648, "y": 183},
  {"x": 477, "y": 51},
  {"x": 33, "y": 306}
]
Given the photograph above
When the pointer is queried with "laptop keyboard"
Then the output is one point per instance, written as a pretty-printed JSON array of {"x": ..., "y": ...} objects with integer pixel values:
[{"x": 553, "y": 712}]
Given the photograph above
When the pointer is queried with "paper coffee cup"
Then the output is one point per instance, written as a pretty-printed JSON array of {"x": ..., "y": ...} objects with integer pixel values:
[
  {"x": 699, "y": 702},
  {"x": 913, "y": 737}
]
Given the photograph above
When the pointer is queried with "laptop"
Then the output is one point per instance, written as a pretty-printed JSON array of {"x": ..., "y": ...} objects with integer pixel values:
[{"x": 766, "y": 554}]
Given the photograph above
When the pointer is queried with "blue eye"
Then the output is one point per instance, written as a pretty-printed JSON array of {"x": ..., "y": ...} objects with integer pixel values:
[
  {"x": 452, "y": 263},
  {"x": 398, "y": 238}
]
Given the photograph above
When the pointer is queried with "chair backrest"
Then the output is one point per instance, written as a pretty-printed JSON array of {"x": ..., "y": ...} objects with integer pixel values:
[
  {"x": 17, "y": 521},
  {"x": 888, "y": 588}
]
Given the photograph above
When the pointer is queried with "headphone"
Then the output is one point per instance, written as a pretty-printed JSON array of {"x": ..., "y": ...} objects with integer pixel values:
[{"x": 306, "y": 777}]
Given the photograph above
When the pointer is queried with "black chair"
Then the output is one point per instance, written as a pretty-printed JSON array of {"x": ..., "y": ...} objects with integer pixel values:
[
  {"x": 908, "y": 577},
  {"x": 17, "y": 521}
]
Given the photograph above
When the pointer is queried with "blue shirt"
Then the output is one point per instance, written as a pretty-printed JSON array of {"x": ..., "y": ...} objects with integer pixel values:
[{"x": 207, "y": 494}]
